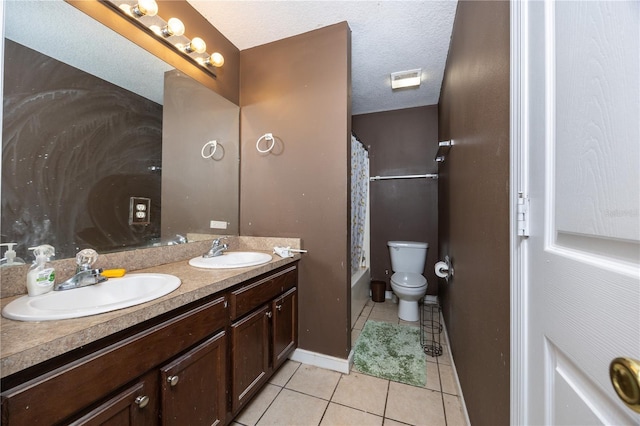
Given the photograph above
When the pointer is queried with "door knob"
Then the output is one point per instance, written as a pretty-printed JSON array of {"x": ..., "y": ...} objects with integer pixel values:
[{"x": 625, "y": 377}]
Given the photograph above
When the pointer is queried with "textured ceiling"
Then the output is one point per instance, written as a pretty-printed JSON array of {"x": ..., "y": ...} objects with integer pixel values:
[{"x": 387, "y": 36}]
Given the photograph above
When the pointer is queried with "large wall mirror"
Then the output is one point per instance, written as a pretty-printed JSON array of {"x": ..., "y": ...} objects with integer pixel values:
[{"x": 94, "y": 127}]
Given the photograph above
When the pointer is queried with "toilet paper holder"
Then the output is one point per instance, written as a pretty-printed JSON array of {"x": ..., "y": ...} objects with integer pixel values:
[{"x": 444, "y": 269}]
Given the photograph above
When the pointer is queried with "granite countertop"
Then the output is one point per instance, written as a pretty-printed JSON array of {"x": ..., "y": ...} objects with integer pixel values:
[{"x": 24, "y": 344}]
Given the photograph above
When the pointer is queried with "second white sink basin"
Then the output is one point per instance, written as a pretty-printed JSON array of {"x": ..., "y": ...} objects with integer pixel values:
[
  {"x": 115, "y": 293},
  {"x": 231, "y": 259}
]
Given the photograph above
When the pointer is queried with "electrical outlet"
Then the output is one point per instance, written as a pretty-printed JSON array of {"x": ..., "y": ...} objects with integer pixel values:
[{"x": 139, "y": 211}]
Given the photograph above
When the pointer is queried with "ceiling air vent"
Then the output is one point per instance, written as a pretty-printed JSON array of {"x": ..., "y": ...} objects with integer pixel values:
[{"x": 408, "y": 78}]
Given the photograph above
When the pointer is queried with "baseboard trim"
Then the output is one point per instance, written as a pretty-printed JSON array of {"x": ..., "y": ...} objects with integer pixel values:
[
  {"x": 323, "y": 361},
  {"x": 465, "y": 413}
]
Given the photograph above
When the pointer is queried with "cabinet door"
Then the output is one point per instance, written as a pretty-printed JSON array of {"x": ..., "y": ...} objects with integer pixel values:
[
  {"x": 193, "y": 385},
  {"x": 285, "y": 326},
  {"x": 249, "y": 355},
  {"x": 136, "y": 405}
]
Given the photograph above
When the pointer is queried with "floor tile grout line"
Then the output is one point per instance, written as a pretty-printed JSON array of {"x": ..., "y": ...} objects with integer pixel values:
[
  {"x": 357, "y": 409},
  {"x": 444, "y": 408},
  {"x": 324, "y": 413},
  {"x": 277, "y": 394},
  {"x": 386, "y": 401},
  {"x": 269, "y": 405}
]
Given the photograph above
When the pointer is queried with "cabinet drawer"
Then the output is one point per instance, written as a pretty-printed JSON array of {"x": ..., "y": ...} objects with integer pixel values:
[
  {"x": 136, "y": 405},
  {"x": 60, "y": 393},
  {"x": 253, "y": 295}
]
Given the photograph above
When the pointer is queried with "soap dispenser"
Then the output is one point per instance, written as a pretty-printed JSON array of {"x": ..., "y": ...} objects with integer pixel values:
[
  {"x": 41, "y": 275},
  {"x": 10, "y": 258}
]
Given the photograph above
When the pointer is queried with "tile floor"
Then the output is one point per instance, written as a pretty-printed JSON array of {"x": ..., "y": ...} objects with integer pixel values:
[{"x": 300, "y": 394}]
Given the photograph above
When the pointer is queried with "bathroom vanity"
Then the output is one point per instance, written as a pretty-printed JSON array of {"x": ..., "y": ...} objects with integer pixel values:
[{"x": 195, "y": 356}]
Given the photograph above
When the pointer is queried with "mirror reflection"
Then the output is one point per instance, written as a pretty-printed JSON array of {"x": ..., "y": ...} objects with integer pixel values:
[{"x": 102, "y": 142}]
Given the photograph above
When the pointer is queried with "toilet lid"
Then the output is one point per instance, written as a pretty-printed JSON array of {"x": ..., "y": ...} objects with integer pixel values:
[{"x": 408, "y": 279}]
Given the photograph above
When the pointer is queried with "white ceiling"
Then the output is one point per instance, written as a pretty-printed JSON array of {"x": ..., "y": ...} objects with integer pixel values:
[{"x": 387, "y": 36}]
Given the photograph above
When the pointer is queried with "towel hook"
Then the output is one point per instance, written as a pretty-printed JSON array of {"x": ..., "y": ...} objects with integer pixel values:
[
  {"x": 214, "y": 144},
  {"x": 266, "y": 137}
]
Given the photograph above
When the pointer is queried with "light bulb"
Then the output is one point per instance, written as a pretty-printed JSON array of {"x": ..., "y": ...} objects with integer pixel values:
[
  {"x": 126, "y": 9},
  {"x": 146, "y": 7},
  {"x": 216, "y": 59},
  {"x": 174, "y": 27},
  {"x": 197, "y": 45}
]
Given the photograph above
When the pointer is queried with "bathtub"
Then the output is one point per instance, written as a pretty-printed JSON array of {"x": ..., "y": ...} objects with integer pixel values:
[{"x": 359, "y": 292}]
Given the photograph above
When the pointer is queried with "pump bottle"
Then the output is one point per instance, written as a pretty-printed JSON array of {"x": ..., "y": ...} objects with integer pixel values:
[
  {"x": 10, "y": 258},
  {"x": 41, "y": 275}
]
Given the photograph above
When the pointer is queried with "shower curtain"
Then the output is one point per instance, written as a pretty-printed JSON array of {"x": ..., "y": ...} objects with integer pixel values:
[{"x": 359, "y": 189}]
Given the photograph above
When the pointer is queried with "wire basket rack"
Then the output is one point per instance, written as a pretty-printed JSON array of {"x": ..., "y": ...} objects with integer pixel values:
[{"x": 430, "y": 327}]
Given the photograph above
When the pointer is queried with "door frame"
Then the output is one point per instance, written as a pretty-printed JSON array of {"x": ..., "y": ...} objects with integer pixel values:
[{"x": 518, "y": 184}]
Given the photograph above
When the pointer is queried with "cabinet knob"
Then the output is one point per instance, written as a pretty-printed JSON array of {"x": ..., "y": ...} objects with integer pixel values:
[
  {"x": 173, "y": 380},
  {"x": 269, "y": 314},
  {"x": 142, "y": 401},
  {"x": 279, "y": 307}
]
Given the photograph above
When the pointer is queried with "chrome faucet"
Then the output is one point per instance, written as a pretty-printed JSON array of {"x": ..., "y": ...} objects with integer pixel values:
[
  {"x": 179, "y": 239},
  {"x": 85, "y": 275},
  {"x": 216, "y": 249}
]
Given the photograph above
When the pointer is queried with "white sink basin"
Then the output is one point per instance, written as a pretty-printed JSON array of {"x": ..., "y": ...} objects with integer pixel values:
[
  {"x": 115, "y": 293},
  {"x": 231, "y": 259}
]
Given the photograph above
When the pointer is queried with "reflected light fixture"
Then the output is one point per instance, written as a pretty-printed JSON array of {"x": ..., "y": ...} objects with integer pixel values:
[
  {"x": 174, "y": 27},
  {"x": 145, "y": 8},
  {"x": 145, "y": 14},
  {"x": 402, "y": 79},
  {"x": 196, "y": 45}
]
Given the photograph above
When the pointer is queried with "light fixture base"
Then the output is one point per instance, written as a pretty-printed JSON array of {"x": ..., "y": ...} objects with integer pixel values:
[{"x": 403, "y": 79}]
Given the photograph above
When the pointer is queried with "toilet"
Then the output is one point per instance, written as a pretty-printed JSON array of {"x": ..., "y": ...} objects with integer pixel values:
[{"x": 407, "y": 282}]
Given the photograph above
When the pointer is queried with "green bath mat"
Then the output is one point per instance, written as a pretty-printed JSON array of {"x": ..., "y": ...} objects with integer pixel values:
[{"x": 391, "y": 352}]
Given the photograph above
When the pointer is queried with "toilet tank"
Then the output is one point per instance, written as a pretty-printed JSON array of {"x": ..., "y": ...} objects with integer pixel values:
[{"x": 408, "y": 256}]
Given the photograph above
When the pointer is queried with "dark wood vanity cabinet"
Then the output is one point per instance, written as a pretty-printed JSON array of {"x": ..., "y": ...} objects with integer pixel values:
[
  {"x": 180, "y": 369},
  {"x": 261, "y": 338},
  {"x": 193, "y": 386},
  {"x": 284, "y": 337},
  {"x": 249, "y": 356}
]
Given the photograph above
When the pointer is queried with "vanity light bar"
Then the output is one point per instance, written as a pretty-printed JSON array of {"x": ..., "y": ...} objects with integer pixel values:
[{"x": 171, "y": 32}]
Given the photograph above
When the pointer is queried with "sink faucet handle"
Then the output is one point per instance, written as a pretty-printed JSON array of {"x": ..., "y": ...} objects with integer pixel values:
[
  {"x": 85, "y": 258},
  {"x": 217, "y": 241}
]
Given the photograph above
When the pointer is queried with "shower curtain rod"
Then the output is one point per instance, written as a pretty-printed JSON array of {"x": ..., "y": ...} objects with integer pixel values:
[{"x": 428, "y": 176}]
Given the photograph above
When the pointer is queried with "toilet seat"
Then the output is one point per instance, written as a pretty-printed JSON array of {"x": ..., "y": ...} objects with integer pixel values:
[{"x": 408, "y": 279}]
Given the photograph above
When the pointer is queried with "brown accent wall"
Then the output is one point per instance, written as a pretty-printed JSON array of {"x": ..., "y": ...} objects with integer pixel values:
[
  {"x": 299, "y": 90},
  {"x": 197, "y": 190},
  {"x": 474, "y": 206},
  {"x": 402, "y": 142}
]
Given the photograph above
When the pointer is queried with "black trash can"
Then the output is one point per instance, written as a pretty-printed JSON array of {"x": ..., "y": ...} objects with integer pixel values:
[{"x": 378, "y": 289}]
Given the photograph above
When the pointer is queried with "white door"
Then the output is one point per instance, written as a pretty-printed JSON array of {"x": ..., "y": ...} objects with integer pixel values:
[{"x": 581, "y": 126}]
